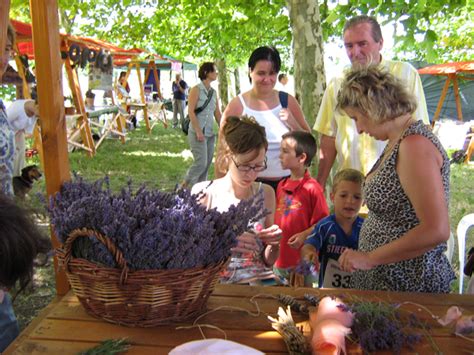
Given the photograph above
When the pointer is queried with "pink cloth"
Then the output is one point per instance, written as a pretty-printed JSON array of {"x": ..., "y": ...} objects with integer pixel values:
[
  {"x": 330, "y": 326},
  {"x": 462, "y": 324}
]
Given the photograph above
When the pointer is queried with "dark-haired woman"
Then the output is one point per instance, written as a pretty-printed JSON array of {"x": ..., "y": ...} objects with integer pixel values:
[
  {"x": 201, "y": 135},
  {"x": 247, "y": 148},
  {"x": 262, "y": 102},
  {"x": 20, "y": 241}
]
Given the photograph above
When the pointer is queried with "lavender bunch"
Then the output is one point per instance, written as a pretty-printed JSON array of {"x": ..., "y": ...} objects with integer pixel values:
[
  {"x": 153, "y": 229},
  {"x": 379, "y": 326}
]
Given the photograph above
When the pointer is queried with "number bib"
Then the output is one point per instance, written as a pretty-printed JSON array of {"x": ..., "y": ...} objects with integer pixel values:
[{"x": 334, "y": 277}]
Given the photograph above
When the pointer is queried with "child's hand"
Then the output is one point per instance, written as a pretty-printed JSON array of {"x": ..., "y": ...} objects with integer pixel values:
[
  {"x": 310, "y": 254},
  {"x": 297, "y": 240},
  {"x": 270, "y": 235}
]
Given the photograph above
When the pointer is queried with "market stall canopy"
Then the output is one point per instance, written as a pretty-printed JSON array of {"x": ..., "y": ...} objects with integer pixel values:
[
  {"x": 25, "y": 43},
  {"x": 160, "y": 62},
  {"x": 448, "y": 68},
  {"x": 453, "y": 72}
]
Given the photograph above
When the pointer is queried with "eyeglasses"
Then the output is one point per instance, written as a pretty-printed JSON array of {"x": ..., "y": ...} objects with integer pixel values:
[{"x": 246, "y": 168}]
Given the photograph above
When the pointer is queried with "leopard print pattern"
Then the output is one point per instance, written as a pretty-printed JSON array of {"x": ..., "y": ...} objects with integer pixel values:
[{"x": 391, "y": 215}]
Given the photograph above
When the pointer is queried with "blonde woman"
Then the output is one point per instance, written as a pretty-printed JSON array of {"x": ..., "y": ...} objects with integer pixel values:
[{"x": 403, "y": 240}]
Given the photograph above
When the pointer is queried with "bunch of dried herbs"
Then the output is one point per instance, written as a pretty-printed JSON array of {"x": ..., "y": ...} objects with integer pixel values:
[
  {"x": 382, "y": 326},
  {"x": 153, "y": 229}
]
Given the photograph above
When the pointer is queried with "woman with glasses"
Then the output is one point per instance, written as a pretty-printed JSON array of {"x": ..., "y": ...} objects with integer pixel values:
[
  {"x": 256, "y": 251},
  {"x": 202, "y": 110},
  {"x": 263, "y": 102}
]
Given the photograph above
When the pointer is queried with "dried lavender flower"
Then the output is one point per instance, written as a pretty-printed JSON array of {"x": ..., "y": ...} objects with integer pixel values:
[
  {"x": 153, "y": 229},
  {"x": 288, "y": 300}
]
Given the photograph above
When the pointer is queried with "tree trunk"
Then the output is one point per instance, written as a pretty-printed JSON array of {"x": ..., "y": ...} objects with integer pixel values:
[
  {"x": 223, "y": 83},
  {"x": 237, "y": 81},
  {"x": 310, "y": 79}
]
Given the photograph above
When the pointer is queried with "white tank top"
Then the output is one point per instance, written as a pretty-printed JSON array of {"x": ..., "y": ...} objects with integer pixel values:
[{"x": 274, "y": 128}]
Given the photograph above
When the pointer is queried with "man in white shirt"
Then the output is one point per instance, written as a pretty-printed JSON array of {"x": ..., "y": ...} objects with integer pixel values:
[{"x": 21, "y": 116}]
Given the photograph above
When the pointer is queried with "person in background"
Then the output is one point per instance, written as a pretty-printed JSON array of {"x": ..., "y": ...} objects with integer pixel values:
[
  {"x": 256, "y": 251},
  {"x": 178, "y": 87},
  {"x": 402, "y": 242},
  {"x": 337, "y": 232},
  {"x": 339, "y": 139},
  {"x": 20, "y": 242},
  {"x": 300, "y": 202},
  {"x": 263, "y": 102},
  {"x": 201, "y": 136},
  {"x": 282, "y": 81},
  {"x": 7, "y": 136},
  {"x": 122, "y": 80},
  {"x": 22, "y": 118}
]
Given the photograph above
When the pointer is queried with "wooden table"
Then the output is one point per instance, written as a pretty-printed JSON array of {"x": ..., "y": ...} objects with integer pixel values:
[{"x": 65, "y": 328}]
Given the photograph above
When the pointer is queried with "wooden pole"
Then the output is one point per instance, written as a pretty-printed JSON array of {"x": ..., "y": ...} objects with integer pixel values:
[
  {"x": 142, "y": 96},
  {"x": 457, "y": 98},
  {"x": 45, "y": 21},
  {"x": 4, "y": 20},
  {"x": 441, "y": 100}
]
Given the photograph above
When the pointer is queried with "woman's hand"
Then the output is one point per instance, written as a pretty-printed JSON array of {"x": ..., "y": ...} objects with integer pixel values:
[
  {"x": 352, "y": 260},
  {"x": 199, "y": 136},
  {"x": 246, "y": 243},
  {"x": 287, "y": 118},
  {"x": 270, "y": 235}
]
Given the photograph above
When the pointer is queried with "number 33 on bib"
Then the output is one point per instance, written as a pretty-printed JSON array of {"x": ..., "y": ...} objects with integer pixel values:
[{"x": 334, "y": 277}]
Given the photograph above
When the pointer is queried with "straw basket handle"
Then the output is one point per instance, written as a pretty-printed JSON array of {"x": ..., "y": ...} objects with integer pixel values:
[{"x": 116, "y": 253}]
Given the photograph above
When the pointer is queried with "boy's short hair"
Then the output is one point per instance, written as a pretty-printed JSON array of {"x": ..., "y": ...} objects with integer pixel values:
[
  {"x": 305, "y": 143},
  {"x": 351, "y": 175}
]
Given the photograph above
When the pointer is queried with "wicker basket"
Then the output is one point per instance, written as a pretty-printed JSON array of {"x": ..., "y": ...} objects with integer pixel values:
[{"x": 143, "y": 298}]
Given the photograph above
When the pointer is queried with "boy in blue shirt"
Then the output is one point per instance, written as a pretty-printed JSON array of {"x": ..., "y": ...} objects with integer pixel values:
[{"x": 333, "y": 234}]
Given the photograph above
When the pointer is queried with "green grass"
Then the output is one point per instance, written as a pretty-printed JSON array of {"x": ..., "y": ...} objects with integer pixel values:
[{"x": 160, "y": 160}]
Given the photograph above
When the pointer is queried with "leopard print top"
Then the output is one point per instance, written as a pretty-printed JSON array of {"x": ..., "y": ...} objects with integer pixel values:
[{"x": 391, "y": 215}]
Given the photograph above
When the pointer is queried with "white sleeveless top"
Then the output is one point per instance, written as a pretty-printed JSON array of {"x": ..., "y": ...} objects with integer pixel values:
[
  {"x": 274, "y": 129},
  {"x": 242, "y": 268}
]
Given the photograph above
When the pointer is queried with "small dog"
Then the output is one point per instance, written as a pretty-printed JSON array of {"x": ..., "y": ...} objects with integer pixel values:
[{"x": 23, "y": 184}]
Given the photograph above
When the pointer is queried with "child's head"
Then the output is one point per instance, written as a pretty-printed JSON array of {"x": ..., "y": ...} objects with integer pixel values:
[
  {"x": 247, "y": 146},
  {"x": 346, "y": 193},
  {"x": 297, "y": 149},
  {"x": 20, "y": 241}
]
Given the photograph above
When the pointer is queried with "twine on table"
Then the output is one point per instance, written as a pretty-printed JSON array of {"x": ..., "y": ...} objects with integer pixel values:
[{"x": 231, "y": 308}]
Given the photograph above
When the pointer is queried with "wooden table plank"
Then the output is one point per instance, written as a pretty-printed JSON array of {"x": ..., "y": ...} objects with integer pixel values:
[
  {"x": 67, "y": 328},
  {"x": 233, "y": 319}
]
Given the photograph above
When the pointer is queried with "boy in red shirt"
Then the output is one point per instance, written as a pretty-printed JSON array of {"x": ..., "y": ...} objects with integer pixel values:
[{"x": 300, "y": 202}]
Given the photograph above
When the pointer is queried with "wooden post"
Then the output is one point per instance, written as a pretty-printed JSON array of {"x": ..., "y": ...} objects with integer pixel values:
[
  {"x": 45, "y": 21},
  {"x": 456, "y": 97},
  {"x": 142, "y": 96},
  {"x": 152, "y": 69},
  {"x": 83, "y": 121},
  {"x": 4, "y": 20},
  {"x": 441, "y": 100}
]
